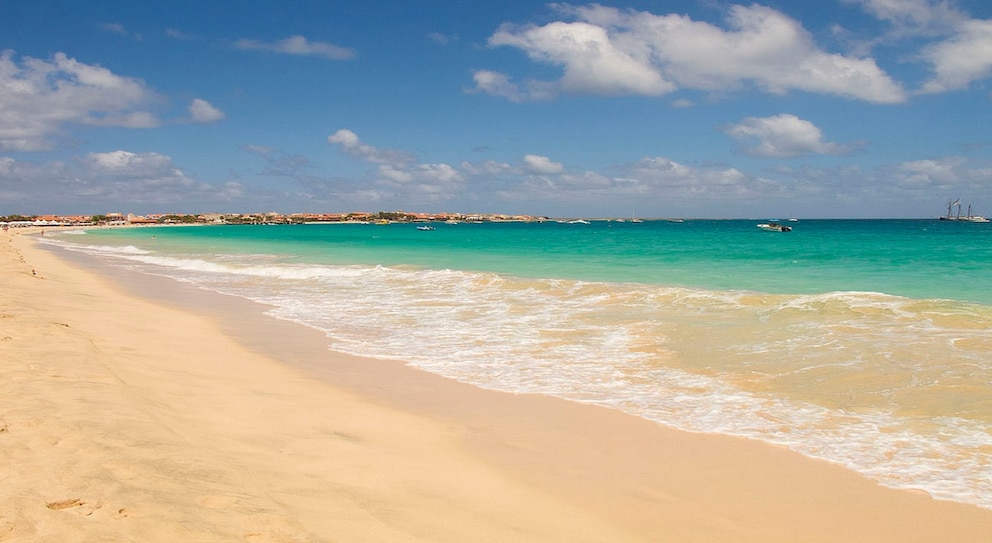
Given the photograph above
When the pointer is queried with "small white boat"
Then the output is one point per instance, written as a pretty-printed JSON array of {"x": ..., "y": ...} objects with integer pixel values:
[
  {"x": 774, "y": 227},
  {"x": 425, "y": 227}
]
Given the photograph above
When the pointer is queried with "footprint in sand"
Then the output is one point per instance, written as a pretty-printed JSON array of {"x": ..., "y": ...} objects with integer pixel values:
[{"x": 74, "y": 505}]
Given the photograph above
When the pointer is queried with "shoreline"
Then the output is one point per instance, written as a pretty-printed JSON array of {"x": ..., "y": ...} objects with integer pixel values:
[{"x": 176, "y": 385}]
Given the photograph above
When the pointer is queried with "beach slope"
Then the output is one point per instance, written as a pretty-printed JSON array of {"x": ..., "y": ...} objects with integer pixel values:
[{"x": 124, "y": 418}]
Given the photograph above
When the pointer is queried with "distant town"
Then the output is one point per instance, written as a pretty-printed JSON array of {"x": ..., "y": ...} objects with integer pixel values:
[{"x": 121, "y": 219}]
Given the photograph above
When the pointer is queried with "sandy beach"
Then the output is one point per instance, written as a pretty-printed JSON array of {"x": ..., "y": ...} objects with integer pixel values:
[{"x": 138, "y": 409}]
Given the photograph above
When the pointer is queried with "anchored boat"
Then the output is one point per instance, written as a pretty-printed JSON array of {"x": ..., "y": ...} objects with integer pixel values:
[{"x": 774, "y": 227}]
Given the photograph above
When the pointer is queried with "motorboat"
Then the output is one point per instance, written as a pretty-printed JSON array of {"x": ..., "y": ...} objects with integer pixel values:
[{"x": 774, "y": 227}]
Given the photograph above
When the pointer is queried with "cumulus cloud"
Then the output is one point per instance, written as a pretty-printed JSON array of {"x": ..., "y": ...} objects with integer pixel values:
[
  {"x": 348, "y": 142},
  {"x": 41, "y": 97},
  {"x": 592, "y": 61},
  {"x": 963, "y": 55},
  {"x": 608, "y": 51},
  {"x": 542, "y": 165},
  {"x": 201, "y": 111},
  {"x": 298, "y": 45},
  {"x": 782, "y": 136},
  {"x": 962, "y": 59}
]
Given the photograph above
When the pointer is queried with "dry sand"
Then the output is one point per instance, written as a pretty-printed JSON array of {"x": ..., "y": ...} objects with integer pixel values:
[{"x": 124, "y": 417}]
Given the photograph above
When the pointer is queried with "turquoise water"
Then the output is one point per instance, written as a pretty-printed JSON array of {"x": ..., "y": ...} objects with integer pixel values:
[
  {"x": 916, "y": 258},
  {"x": 865, "y": 343}
]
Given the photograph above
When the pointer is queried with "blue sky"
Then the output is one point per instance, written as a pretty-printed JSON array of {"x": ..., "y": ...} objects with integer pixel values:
[{"x": 836, "y": 108}]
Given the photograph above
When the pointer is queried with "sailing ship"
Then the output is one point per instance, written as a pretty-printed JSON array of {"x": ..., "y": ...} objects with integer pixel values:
[{"x": 968, "y": 217}]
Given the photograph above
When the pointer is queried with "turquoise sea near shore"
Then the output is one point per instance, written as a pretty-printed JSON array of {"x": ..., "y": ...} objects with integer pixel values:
[{"x": 863, "y": 342}]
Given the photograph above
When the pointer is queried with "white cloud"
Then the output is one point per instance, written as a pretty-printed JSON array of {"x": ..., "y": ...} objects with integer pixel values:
[
  {"x": 500, "y": 84},
  {"x": 298, "y": 45},
  {"x": 592, "y": 61},
  {"x": 442, "y": 173},
  {"x": 964, "y": 55},
  {"x": 782, "y": 136},
  {"x": 943, "y": 172},
  {"x": 201, "y": 111},
  {"x": 139, "y": 168},
  {"x": 962, "y": 59},
  {"x": 395, "y": 174},
  {"x": 914, "y": 17},
  {"x": 608, "y": 51},
  {"x": 542, "y": 165},
  {"x": 349, "y": 143},
  {"x": 41, "y": 97}
]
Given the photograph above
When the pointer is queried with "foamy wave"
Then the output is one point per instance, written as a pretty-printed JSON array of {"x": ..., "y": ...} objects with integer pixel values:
[{"x": 97, "y": 250}]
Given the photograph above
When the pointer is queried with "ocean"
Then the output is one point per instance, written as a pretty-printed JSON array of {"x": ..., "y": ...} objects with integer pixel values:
[{"x": 866, "y": 343}]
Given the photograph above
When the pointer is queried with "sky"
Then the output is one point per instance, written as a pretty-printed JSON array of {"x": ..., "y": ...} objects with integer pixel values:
[{"x": 653, "y": 108}]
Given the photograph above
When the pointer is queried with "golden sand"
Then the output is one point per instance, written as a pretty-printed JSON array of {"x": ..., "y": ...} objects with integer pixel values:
[{"x": 128, "y": 418}]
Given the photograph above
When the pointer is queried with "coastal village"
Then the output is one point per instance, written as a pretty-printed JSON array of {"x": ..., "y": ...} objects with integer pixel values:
[{"x": 382, "y": 217}]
